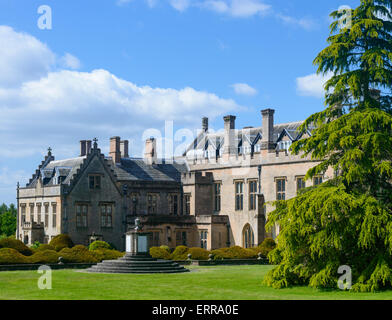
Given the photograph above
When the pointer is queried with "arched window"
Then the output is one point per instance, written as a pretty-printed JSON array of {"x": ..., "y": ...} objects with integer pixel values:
[{"x": 248, "y": 238}]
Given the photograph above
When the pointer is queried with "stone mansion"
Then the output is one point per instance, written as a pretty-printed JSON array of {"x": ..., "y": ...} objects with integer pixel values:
[{"x": 217, "y": 194}]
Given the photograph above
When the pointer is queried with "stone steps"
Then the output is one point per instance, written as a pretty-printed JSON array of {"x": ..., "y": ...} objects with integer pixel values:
[{"x": 137, "y": 264}]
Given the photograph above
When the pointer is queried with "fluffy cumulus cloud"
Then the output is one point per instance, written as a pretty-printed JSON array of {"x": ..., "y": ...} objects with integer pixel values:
[
  {"x": 244, "y": 89},
  {"x": 42, "y": 105},
  {"x": 312, "y": 85},
  {"x": 23, "y": 57}
]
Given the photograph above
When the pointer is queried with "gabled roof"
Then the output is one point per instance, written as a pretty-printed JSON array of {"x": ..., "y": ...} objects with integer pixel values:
[
  {"x": 127, "y": 170},
  {"x": 250, "y": 134},
  {"x": 139, "y": 170}
]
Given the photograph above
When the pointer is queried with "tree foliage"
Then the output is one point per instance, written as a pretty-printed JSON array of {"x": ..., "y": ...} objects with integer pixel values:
[
  {"x": 348, "y": 219},
  {"x": 7, "y": 220}
]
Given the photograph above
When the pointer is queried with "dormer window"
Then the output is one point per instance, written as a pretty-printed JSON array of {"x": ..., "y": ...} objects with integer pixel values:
[
  {"x": 284, "y": 145},
  {"x": 94, "y": 181}
]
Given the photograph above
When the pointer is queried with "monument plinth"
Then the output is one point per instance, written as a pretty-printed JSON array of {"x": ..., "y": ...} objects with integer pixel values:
[
  {"x": 137, "y": 258},
  {"x": 137, "y": 242}
]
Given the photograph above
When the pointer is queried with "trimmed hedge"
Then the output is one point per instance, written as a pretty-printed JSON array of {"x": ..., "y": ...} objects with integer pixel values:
[
  {"x": 12, "y": 256},
  {"x": 44, "y": 256},
  {"x": 61, "y": 241},
  {"x": 44, "y": 247},
  {"x": 17, "y": 245},
  {"x": 159, "y": 253},
  {"x": 99, "y": 245},
  {"x": 199, "y": 253},
  {"x": 78, "y": 254},
  {"x": 106, "y": 254},
  {"x": 234, "y": 253},
  {"x": 180, "y": 253},
  {"x": 267, "y": 246}
]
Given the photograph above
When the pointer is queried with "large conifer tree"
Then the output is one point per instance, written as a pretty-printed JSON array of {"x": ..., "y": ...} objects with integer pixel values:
[{"x": 348, "y": 219}]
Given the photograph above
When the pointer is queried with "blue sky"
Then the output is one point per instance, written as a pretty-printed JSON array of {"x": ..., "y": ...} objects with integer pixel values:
[{"x": 118, "y": 67}]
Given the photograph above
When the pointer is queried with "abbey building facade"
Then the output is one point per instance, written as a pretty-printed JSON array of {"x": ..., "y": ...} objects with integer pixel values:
[{"x": 217, "y": 194}]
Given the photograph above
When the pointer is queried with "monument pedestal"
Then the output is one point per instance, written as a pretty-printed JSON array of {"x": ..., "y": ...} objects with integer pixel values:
[{"x": 137, "y": 258}]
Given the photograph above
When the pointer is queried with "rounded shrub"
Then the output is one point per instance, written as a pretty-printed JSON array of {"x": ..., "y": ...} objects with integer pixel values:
[
  {"x": 166, "y": 248},
  {"x": 106, "y": 254},
  {"x": 77, "y": 254},
  {"x": 35, "y": 245},
  {"x": 44, "y": 247},
  {"x": 267, "y": 246},
  {"x": 234, "y": 253},
  {"x": 159, "y": 253},
  {"x": 61, "y": 241},
  {"x": 199, "y": 253},
  {"x": 12, "y": 256},
  {"x": 99, "y": 245},
  {"x": 180, "y": 253},
  {"x": 17, "y": 245},
  {"x": 44, "y": 256}
]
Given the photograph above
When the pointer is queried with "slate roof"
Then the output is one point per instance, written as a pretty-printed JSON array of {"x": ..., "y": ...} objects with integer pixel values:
[
  {"x": 252, "y": 134},
  {"x": 128, "y": 170},
  {"x": 137, "y": 169}
]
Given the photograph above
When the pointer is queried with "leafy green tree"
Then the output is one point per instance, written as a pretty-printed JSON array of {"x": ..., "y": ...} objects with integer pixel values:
[
  {"x": 7, "y": 220},
  {"x": 348, "y": 219}
]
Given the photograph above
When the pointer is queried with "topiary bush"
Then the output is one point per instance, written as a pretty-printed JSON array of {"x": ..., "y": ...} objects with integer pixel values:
[
  {"x": 106, "y": 254},
  {"x": 44, "y": 247},
  {"x": 180, "y": 253},
  {"x": 12, "y": 256},
  {"x": 44, "y": 256},
  {"x": 234, "y": 253},
  {"x": 17, "y": 245},
  {"x": 99, "y": 245},
  {"x": 159, "y": 253},
  {"x": 267, "y": 246},
  {"x": 35, "y": 245},
  {"x": 199, "y": 253},
  {"x": 78, "y": 254},
  {"x": 166, "y": 248},
  {"x": 61, "y": 241}
]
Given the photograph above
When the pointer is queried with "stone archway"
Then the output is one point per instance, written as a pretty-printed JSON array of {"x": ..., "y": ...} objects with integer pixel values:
[{"x": 248, "y": 237}]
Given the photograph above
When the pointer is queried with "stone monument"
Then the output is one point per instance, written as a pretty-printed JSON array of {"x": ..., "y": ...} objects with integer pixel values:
[{"x": 137, "y": 258}]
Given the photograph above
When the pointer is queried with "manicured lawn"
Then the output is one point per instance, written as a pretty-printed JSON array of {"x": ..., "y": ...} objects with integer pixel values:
[{"x": 203, "y": 283}]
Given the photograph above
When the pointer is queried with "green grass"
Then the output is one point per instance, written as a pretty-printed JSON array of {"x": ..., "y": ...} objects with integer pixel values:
[{"x": 203, "y": 283}]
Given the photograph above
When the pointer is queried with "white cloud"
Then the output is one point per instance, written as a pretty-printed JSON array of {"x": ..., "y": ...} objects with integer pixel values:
[
  {"x": 236, "y": 8},
  {"x": 312, "y": 85},
  {"x": 64, "y": 106},
  {"x": 69, "y": 61},
  {"x": 22, "y": 58},
  {"x": 180, "y": 5},
  {"x": 244, "y": 89},
  {"x": 304, "y": 23}
]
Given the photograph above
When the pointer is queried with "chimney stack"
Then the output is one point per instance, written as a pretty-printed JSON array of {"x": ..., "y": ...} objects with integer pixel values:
[
  {"x": 88, "y": 146},
  {"x": 85, "y": 147},
  {"x": 229, "y": 143},
  {"x": 82, "y": 148},
  {"x": 124, "y": 149},
  {"x": 268, "y": 129},
  {"x": 204, "y": 124},
  {"x": 115, "y": 149},
  {"x": 150, "y": 152}
]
